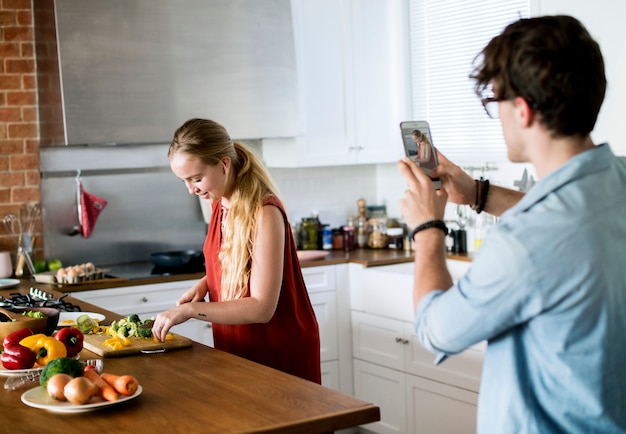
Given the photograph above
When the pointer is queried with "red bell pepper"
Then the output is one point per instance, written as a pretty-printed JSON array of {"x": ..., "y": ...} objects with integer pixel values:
[
  {"x": 16, "y": 336},
  {"x": 16, "y": 356},
  {"x": 73, "y": 340}
]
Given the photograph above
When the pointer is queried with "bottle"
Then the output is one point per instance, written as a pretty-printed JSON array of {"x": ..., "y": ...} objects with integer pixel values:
[
  {"x": 308, "y": 233},
  {"x": 327, "y": 238},
  {"x": 361, "y": 229},
  {"x": 349, "y": 240}
]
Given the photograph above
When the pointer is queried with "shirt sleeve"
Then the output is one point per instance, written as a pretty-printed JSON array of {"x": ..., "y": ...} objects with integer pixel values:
[{"x": 495, "y": 294}]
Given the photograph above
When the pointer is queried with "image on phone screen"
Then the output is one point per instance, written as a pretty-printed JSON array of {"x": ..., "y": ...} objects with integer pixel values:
[{"x": 418, "y": 146}]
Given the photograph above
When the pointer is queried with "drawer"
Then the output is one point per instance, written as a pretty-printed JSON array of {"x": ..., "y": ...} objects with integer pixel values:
[
  {"x": 141, "y": 298},
  {"x": 318, "y": 279}
]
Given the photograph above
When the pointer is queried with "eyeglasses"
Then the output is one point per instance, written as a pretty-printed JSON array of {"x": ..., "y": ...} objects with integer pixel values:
[{"x": 491, "y": 106}]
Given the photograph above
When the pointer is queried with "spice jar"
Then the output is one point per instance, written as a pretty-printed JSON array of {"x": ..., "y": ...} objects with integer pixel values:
[
  {"x": 395, "y": 238},
  {"x": 337, "y": 239}
]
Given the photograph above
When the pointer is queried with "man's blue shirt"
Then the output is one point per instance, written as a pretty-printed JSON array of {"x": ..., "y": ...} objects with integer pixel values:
[{"x": 547, "y": 290}]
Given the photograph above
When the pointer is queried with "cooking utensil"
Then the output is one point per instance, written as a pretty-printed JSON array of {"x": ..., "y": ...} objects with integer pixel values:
[
  {"x": 176, "y": 258},
  {"x": 32, "y": 378},
  {"x": 14, "y": 227}
]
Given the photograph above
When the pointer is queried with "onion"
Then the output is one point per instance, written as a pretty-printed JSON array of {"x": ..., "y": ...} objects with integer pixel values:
[{"x": 56, "y": 384}]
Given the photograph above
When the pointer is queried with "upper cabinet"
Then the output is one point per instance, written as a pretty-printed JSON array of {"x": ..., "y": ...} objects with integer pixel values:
[{"x": 353, "y": 83}]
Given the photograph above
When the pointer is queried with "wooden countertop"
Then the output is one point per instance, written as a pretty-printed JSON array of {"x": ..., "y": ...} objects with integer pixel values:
[
  {"x": 365, "y": 257},
  {"x": 197, "y": 389}
]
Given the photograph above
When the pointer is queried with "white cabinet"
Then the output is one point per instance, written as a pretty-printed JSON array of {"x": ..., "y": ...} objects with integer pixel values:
[
  {"x": 147, "y": 301},
  {"x": 353, "y": 83},
  {"x": 392, "y": 369},
  {"x": 321, "y": 285}
]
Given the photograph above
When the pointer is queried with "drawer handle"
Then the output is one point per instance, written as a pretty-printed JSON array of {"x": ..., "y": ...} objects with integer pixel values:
[
  {"x": 402, "y": 341},
  {"x": 144, "y": 299}
]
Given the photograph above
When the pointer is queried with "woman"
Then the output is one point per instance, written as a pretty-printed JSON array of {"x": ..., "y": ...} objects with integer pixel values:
[
  {"x": 259, "y": 306},
  {"x": 423, "y": 146}
]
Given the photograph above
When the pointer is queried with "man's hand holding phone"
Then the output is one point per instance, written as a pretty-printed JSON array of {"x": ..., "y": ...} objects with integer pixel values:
[{"x": 420, "y": 201}]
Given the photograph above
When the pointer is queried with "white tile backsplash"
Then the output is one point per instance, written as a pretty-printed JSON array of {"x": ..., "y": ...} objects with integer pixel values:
[{"x": 333, "y": 191}]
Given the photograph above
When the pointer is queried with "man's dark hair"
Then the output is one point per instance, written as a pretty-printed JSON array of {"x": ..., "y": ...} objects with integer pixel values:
[{"x": 554, "y": 64}]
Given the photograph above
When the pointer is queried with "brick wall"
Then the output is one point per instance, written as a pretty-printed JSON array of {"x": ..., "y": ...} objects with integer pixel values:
[{"x": 19, "y": 143}]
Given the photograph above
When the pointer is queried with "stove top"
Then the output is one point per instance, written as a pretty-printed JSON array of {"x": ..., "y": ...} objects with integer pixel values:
[
  {"x": 142, "y": 270},
  {"x": 37, "y": 298}
]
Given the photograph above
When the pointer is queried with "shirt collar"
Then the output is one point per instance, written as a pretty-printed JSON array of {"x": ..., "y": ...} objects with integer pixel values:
[{"x": 583, "y": 164}]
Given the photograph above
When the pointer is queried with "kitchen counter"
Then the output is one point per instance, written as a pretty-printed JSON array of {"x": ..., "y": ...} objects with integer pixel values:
[
  {"x": 365, "y": 257},
  {"x": 197, "y": 389}
]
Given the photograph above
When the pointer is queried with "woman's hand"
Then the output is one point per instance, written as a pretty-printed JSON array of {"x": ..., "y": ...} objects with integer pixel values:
[
  {"x": 166, "y": 320},
  {"x": 421, "y": 202},
  {"x": 196, "y": 293}
]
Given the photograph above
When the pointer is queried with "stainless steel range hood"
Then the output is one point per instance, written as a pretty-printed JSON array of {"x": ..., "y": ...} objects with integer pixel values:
[{"x": 131, "y": 71}]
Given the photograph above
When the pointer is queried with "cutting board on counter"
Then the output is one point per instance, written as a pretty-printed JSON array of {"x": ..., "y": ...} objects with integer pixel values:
[{"x": 95, "y": 344}]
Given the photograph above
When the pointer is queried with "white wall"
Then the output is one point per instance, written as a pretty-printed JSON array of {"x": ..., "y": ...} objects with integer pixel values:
[
  {"x": 333, "y": 191},
  {"x": 605, "y": 21}
]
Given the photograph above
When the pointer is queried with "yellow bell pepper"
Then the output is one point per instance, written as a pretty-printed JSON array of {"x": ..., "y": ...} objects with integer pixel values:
[
  {"x": 48, "y": 348},
  {"x": 31, "y": 341},
  {"x": 117, "y": 340}
]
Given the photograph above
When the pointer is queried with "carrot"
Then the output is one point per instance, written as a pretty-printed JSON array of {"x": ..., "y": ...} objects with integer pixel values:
[
  {"x": 125, "y": 385},
  {"x": 106, "y": 390}
]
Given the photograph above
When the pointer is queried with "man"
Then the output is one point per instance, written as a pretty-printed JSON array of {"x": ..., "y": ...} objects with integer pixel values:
[{"x": 547, "y": 289}]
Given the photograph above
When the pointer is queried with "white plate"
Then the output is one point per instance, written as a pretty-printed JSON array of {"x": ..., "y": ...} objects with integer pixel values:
[
  {"x": 8, "y": 283},
  {"x": 38, "y": 397},
  {"x": 68, "y": 319},
  {"x": 13, "y": 372},
  {"x": 312, "y": 255}
]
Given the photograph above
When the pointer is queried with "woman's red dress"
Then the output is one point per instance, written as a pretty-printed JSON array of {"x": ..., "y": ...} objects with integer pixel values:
[{"x": 290, "y": 341}]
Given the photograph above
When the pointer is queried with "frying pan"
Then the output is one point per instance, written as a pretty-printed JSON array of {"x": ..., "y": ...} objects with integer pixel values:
[{"x": 176, "y": 258}]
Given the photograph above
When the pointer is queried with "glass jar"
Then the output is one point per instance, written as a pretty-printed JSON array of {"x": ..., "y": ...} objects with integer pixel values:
[
  {"x": 395, "y": 238},
  {"x": 337, "y": 239},
  {"x": 308, "y": 233}
]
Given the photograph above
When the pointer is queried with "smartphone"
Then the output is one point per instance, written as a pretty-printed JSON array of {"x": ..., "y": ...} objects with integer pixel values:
[{"x": 418, "y": 146}]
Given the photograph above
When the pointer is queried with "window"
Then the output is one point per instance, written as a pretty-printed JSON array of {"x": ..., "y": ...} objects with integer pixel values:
[{"x": 446, "y": 36}]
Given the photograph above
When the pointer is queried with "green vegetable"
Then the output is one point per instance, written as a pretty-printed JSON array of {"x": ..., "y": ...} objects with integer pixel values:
[
  {"x": 133, "y": 326},
  {"x": 33, "y": 314},
  {"x": 85, "y": 323},
  {"x": 61, "y": 365}
]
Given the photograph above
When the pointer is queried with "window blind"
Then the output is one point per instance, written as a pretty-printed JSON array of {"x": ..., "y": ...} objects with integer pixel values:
[{"x": 446, "y": 36}]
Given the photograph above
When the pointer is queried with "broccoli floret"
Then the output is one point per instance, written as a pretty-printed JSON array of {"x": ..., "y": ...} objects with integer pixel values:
[
  {"x": 61, "y": 365},
  {"x": 145, "y": 329},
  {"x": 134, "y": 318}
]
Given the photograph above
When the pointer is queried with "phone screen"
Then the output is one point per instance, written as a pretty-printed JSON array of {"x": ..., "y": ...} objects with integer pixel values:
[{"x": 418, "y": 146}]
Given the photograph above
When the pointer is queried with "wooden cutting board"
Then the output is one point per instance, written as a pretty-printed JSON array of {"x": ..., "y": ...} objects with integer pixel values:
[{"x": 95, "y": 344}]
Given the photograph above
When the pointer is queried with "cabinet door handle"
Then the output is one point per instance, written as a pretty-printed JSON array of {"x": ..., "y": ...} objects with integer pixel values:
[
  {"x": 402, "y": 341},
  {"x": 144, "y": 299}
]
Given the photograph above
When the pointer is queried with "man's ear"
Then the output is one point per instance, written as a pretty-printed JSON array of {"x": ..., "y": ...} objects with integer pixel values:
[{"x": 526, "y": 114}]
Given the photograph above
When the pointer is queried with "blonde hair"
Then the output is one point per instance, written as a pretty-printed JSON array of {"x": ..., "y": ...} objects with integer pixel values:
[{"x": 210, "y": 142}]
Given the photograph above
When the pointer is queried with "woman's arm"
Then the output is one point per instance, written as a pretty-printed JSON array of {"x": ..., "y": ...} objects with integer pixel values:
[{"x": 265, "y": 283}]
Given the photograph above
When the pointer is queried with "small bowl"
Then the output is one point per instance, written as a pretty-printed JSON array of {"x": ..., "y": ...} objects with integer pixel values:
[{"x": 45, "y": 325}]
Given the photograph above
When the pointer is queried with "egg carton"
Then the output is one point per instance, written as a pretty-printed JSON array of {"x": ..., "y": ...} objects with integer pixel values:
[{"x": 72, "y": 275}]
